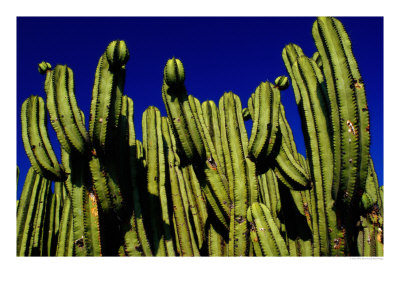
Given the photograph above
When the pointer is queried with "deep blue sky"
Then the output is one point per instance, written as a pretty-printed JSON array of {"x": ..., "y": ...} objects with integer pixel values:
[{"x": 219, "y": 55}]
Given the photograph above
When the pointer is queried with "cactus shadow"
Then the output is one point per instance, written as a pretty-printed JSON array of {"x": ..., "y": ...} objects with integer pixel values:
[{"x": 295, "y": 222}]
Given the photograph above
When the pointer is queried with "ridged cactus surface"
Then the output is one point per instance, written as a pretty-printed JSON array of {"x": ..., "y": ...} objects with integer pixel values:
[{"x": 199, "y": 183}]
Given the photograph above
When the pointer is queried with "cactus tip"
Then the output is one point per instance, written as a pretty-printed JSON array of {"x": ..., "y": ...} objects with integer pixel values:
[
  {"x": 44, "y": 67},
  {"x": 282, "y": 83},
  {"x": 174, "y": 73},
  {"x": 117, "y": 53}
]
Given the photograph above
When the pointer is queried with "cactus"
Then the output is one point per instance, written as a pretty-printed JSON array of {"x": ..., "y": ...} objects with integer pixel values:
[
  {"x": 65, "y": 116},
  {"x": 180, "y": 112},
  {"x": 265, "y": 234},
  {"x": 265, "y": 118},
  {"x": 107, "y": 96},
  {"x": 241, "y": 173},
  {"x": 156, "y": 183},
  {"x": 198, "y": 184},
  {"x": 349, "y": 114},
  {"x": 281, "y": 83},
  {"x": 36, "y": 140}
]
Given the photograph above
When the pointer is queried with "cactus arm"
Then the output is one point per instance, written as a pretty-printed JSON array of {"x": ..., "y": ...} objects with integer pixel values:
[
  {"x": 162, "y": 186},
  {"x": 26, "y": 208},
  {"x": 35, "y": 247},
  {"x": 154, "y": 155},
  {"x": 74, "y": 128},
  {"x": 185, "y": 200},
  {"x": 26, "y": 228},
  {"x": 309, "y": 79},
  {"x": 289, "y": 55},
  {"x": 214, "y": 172},
  {"x": 265, "y": 119},
  {"x": 353, "y": 143},
  {"x": 106, "y": 101},
  {"x": 65, "y": 116},
  {"x": 270, "y": 240},
  {"x": 216, "y": 243},
  {"x": 200, "y": 200},
  {"x": 100, "y": 184},
  {"x": 48, "y": 227},
  {"x": 177, "y": 120},
  {"x": 209, "y": 172},
  {"x": 196, "y": 203},
  {"x": 85, "y": 211},
  {"x": 243, "y": 184},
  {"x": 180, "y": 112},
  {"x": 270, "y": 193},
  {"x": 65, "y": 160},
  {"x": 78, "y": 194},
  {"x": 275, "y": 231},
  {"x": 362, "y": 112},
  {"x": 65, "y": 227},
  {"x": 212, "y": 122},
  {"x": 371, "y": 195},
  {"x": 164, "y": 197},
  {"x": 255, "y": 243},
  {"x": 53, "y": 218},
  {"x": 181, "y": 220},
  {"x": 289, "y": 171},
  {"x": 185, "y": 243},
  {"x": 55, "y": 118},
  {"x": 92, "y": 225},
  {"x": 250, "y": 105},
  {"x": 287, "y": 134},
  {"x": 136, "y": 240},
  {"x": 137, "y": 218},
  {"x": 69, "y": 251},
  {"x": 58, "y": 207},
  {"x": 370, "y": 237},
  {"x": 36, "y": 140}
]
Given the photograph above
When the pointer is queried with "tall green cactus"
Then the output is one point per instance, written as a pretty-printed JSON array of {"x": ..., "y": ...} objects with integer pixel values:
[
  {"x": 184, "y": 232},
  {"x": 65, "y": 242},
  {"x": 209, "y": 188},
  {"x": 349, "y": 110},
  {"x": 241, "y": 171},
  {"x": 107, "y": 95},
  {"x": 65, "y": 116},
  {"x": 266, "y": 104},
  {"x": 156, "y": 183},
  {"x": 180, "y": 112},
  {"x": 36, "y": 140},
  {"x": 314, "y": 113}
]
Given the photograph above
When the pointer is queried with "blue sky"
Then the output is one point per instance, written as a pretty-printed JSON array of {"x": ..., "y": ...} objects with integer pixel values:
[{"x": 219, "y": 55}]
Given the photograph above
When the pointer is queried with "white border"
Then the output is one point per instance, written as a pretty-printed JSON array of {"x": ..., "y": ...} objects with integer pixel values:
[{"x": 240, "y": 278}]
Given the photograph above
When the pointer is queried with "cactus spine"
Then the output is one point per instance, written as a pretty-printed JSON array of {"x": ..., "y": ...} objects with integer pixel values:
[
  {"x": 36, "y": 140},
  {"x": 65, "y": 115},
  {"x": 197, "y": 184}
]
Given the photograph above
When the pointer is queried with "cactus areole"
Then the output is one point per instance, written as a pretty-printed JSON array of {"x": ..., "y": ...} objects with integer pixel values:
[{"x": 198, "y": 184}]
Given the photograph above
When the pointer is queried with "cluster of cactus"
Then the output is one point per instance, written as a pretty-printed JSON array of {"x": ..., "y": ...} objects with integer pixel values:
[{"x": 198, "y": 184}]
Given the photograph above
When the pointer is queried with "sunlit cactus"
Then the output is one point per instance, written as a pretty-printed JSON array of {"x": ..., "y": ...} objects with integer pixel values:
[{"x": 199, "y": 184}]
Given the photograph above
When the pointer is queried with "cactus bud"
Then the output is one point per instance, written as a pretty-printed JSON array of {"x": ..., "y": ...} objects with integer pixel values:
[
  {"x": 282, "y": 83},
  {"x": 117, "y": 53},
  {"x": 44, "y": 67},
  {"x": 174, "y": 74},
  {"x": 246, "y": 114}
]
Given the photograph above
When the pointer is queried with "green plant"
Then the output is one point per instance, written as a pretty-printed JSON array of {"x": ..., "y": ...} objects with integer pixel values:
[{"x": 209, "y": 188}]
